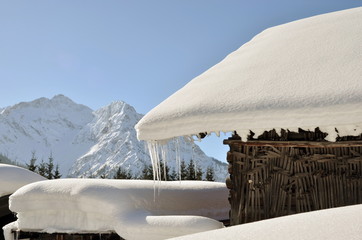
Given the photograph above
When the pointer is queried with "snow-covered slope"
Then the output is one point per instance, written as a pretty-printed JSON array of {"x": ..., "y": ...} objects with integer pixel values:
[
  {"x": 44, "y": 126},
  {"x": 116, "y": 145},
  {"x": 85, "y": 143}
]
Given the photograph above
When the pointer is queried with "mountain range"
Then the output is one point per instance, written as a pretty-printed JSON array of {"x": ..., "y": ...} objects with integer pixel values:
[{"x": 84, "y": 142}]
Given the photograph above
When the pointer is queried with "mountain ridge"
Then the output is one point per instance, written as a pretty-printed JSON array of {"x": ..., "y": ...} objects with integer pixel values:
[{"x": 85, "y": 142}]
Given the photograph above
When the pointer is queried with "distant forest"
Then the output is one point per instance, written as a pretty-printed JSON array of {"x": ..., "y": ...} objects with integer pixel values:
[
  {"x": 186, "y": 172},
  {"x": 45, "y": 169},
  {"x": 6, "y": 160},
  {"x": 189, "y": 171}
]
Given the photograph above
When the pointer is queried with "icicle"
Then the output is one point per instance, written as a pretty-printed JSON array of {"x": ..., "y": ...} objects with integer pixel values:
[
  {"x": 154, "y": 150},
  {"x": 17, "y": 233},
  {"x": 164, "y": 151},
  {"x": 155, "y": 158},
  {"x": 192, "y": 157},
  {"x": 178, "y": 157}
]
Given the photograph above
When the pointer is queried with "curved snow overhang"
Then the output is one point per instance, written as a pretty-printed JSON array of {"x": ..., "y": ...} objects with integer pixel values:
[
  {"x": 304, "y": 74},
  {"x": 14, "y": 177}
]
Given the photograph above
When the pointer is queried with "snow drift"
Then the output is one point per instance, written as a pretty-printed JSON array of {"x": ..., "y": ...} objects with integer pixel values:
[
  {"x": 133, "y": 209},
  {"x": 303, "y": 74},
  {"x": 331, "y": 224},
  {"x": 13, "y": 178}
]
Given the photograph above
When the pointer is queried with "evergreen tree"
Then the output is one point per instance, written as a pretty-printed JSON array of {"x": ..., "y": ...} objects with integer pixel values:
[
  {"x": 174, "y": 175},
  {"x": 191, "y": 173},
  {"x": 122, "y": 174},
  {"x": 103, "y": 176},
  {"x": 57, "y": 174},
  {"x": 147, "y": 172},
  {"x": 183, "y": 170},
  {"x": 31, "y": 166},
  {"x": 50, "y": 167},
  {"x": 210, "y": 174},
  {"x": 42, "y": 168},
  {"x": 199, "y": 174},
  {"x": 4, "y": 159}
]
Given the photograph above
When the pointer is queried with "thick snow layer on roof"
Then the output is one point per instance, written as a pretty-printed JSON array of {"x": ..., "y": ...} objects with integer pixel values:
[
  {"x": 304, "y": 74},
  {"x": 13, "y": 178},
  {"x": 332, "y": 224},
  {"x": 132, "y": 208}
]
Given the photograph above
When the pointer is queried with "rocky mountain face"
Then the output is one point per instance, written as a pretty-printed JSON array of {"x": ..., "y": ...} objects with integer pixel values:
[{"x": 87, "y": 143}]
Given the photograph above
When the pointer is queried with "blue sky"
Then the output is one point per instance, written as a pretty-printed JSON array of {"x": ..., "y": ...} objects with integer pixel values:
[{"x": 141, "y": 52}]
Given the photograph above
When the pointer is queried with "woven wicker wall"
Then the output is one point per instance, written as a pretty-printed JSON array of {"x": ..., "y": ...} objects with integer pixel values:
[{"x": 275, "y": 178}]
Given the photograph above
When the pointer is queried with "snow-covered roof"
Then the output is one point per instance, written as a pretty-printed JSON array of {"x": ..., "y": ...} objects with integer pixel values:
[
  {"x": 306, "y": 73},
  {"x": 135, "y": 209},
  {"x": 13, "y": 178},
  {"x": 332, "y": 224}
]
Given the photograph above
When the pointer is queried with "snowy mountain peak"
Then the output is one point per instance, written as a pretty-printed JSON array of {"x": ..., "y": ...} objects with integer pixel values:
[
  {"x": 58, "y": 103},
  {"x": 85, "y": 143}
]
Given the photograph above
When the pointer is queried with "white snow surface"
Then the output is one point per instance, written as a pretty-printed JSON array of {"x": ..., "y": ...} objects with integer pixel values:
[
  {"x": 332, "y": 224},
  {"x": 13, "y": 178},
  {"x": 134, "y": 209},
  {"x": 305, "y": 74}
]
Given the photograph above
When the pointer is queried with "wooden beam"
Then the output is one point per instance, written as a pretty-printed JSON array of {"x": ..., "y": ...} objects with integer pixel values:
[{"x": 295, "y": 143}]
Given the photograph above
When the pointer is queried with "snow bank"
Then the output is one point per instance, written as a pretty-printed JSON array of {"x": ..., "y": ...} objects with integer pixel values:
[
  {"x": 132, "y": 208},
  {"x": 13, "y": 178},
  {"x": 331, "y": 224},
  {"x": 304, "y": 74}
]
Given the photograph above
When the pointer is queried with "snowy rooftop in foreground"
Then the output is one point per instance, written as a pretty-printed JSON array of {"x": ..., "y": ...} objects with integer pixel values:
[
  {"x": 304, "y": 74},
  {"x": 332, "y": 224},
  {"x": 13, "y": 178},
  {"x": 131, "y": 208}
]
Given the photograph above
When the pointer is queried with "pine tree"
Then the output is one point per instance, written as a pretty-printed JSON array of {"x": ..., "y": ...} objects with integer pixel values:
[
  {"x": 49, "y": 167},
  {"x": 191, "y": 173},
  {"x": 210, "y": 174},
  {"x": 42, "y": 168},
  {"x": 57, "y": 174},
  {"x": 147, "y": 172},
  {"x": 103, "y": 176},
  {"x": 31, "y": 166},
  {"x": 183, "y": 170},
  {"x": 199, "y": 174},
  {"x": 122, "y": 174},
  {"x": 174, "y": 175}
]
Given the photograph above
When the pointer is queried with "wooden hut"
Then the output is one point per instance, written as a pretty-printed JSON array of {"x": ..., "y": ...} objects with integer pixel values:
[
  {"x": 292, "y": 96},
  {"x": 23, "y": 235},
  {"x": 6, "y": 216},
  {"x": 272, "y": 175}
]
